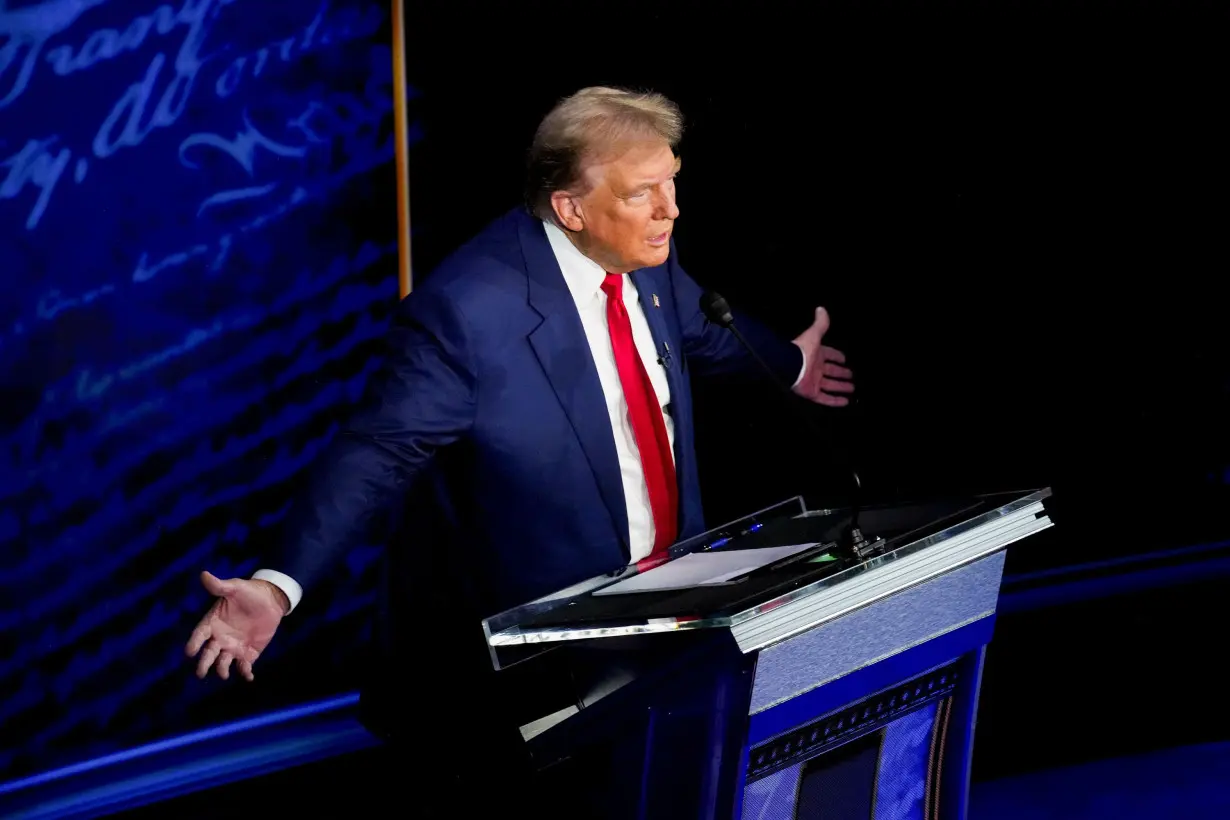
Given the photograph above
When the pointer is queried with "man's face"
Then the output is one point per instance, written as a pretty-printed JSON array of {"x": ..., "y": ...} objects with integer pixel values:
[{"x": 625, "y": 220}]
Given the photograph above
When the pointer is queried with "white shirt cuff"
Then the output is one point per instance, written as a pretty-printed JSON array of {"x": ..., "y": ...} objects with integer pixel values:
[
  {"x": 802, "y": 369},
  {"x": 294, "y": 592}
]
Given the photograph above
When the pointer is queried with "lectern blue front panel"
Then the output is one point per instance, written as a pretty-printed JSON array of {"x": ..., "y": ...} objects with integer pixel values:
[
  {"x": 910, "y": 618},
  {"x": 904, "y": 755},
  {"x": 883, "y": 776},
  {"x": 900, "y": 752}
]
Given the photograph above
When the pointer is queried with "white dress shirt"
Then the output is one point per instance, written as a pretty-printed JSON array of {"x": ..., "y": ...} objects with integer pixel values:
[{"x": 584, "y": 279}]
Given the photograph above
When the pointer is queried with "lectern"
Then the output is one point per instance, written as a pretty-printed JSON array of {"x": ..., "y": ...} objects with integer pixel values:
[{"x": 770, "y": 671}]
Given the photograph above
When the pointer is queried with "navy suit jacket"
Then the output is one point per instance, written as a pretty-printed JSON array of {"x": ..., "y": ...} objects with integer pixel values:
[{"x": 488, "y": 361}]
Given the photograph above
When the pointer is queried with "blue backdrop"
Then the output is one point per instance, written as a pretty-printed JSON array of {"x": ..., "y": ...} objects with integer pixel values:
[{"x": 198, "y": 238}]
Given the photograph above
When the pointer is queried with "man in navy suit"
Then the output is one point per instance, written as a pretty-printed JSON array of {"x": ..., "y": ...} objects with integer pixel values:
[{"x": 551, "y": 355}]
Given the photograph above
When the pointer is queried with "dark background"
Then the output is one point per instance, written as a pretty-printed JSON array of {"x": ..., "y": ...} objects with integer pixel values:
[{"x": 1011, "y": 210}]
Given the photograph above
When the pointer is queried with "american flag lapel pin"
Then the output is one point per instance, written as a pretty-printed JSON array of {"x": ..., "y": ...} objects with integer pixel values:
[{"x": 656, "y": 303}]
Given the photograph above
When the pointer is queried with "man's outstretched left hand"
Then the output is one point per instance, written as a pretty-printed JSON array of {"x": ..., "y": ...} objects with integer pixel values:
[{"x": 825, "y": 378}]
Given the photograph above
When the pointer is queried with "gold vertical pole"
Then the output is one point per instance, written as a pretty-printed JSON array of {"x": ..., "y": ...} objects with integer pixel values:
[{"x": 401, "y": 128}]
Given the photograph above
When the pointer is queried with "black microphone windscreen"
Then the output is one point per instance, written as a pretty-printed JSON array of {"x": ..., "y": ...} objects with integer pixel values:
[{"x": 715, "y": 309}]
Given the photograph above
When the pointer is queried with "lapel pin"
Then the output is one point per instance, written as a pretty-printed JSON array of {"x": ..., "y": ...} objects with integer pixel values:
[{"x": 656, "y": 303}]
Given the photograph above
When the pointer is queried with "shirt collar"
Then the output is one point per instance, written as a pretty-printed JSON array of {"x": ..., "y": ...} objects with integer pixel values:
[{"x": 583, "y": 275}]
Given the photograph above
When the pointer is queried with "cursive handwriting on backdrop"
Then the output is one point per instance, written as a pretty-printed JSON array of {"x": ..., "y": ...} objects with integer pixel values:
[{"x": 170, "y": 58}]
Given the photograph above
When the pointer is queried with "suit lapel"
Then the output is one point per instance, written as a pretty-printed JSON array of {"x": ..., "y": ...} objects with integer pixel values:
[
  {"x": 563, "y": 351},
  {"x": 648, "y": 287}
]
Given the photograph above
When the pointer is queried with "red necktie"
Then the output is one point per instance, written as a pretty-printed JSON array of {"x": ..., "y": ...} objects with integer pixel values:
[{"x": 645, "y": 413}]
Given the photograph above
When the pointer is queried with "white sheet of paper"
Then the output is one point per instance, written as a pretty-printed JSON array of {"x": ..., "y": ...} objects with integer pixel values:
[{"x": 702, "y": 569}]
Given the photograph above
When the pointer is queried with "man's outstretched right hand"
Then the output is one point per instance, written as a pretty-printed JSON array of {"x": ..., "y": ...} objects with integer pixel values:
[{"x": 239, "y": 625}]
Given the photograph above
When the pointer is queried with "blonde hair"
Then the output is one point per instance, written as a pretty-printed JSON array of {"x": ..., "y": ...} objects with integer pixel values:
[{"x": 588, "y": 124}]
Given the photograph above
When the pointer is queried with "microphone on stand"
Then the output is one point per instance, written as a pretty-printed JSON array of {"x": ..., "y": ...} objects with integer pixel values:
[{"x": 717, "y": 310}]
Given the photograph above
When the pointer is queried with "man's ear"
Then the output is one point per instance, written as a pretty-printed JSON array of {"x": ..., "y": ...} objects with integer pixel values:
[{"x": 567, "y": 209}]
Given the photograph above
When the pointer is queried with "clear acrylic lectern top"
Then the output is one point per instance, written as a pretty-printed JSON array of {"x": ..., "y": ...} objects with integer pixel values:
[{"x": 766, "y": 605}]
